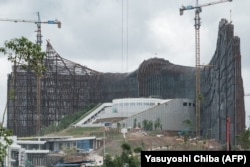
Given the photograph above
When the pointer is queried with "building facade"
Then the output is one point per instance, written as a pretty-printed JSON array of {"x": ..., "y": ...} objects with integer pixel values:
[{"x": 68, "y": 87}]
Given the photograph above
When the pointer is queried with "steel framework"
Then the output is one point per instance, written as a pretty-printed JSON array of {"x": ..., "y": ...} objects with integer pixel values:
[{"x": 67, "y": 87}]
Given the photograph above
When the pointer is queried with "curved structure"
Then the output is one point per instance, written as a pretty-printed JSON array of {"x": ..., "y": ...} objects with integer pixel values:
[
  {"x": 160, "y": 78},
  {"x": 222, "y": 87},
  {"x": 68, "y": 87}
]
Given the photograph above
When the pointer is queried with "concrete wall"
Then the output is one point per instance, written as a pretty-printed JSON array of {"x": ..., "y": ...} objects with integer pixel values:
[{"x": 171, "y": 115}]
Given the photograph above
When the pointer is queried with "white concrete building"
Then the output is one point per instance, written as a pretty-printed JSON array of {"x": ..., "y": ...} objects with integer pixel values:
[
  {"x": 170, "y": 115},
  {"x": 132, "y": 112}
]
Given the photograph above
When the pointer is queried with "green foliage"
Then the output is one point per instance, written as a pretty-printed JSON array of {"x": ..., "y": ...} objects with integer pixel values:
[
  {"x": 187, "y": 128},
  {"x": 187, "y": 122},
  {"x": 139, "y": 125},
  {"x": 134, "y": 126},
  {"x": 108, "y": 162},
  {"x": 144, "y": 124},
  {"x": 244, "y": 139},
  {"x": 200, "y": 97},
  {"x": 147, "y": 125},
  {"x": 25, "y": 53},
  {"x": 125, "y": 147},
  {"x": 11, "y": 94},
  {"x": 125, "y": 159},
  {"x": 157, "y": 123},
  {"x": 137, "y": 149},
  {"x": 4, "y": 142},
  {"x": 68, "y": 150},
  {"x": 65, "y": 121},
  {"x": 118, "y": 125}
]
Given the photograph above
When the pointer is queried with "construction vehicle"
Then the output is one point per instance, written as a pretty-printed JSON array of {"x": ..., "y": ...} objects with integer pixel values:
[
  {"x": 38, "y": 23},
  {"x": 198, "y": 9}
]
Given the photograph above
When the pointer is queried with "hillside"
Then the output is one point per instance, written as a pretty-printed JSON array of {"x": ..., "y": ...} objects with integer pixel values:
[{"x": 153, "y": 140}]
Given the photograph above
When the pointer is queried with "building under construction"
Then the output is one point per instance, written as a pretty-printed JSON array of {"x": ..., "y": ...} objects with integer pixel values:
[{"x": 67, "y": 87}]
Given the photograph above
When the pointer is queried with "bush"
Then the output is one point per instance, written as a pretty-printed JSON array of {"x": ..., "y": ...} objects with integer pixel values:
[{"x": 137, "y": 149}]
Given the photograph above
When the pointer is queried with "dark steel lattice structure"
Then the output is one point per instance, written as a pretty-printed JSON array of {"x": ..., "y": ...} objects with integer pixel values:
[
  {"x": 222, "y": 87},
  {"x": 68, "y": 87}
]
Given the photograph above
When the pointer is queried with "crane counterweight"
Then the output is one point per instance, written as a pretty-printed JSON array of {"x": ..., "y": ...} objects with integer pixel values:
[{"x": 38, "y": 23}]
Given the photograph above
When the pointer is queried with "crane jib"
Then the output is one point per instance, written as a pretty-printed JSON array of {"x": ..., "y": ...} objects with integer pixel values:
[{"x": 51, "y": 22}]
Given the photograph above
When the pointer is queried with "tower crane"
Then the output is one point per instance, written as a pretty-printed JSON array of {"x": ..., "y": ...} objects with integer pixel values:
[
  {"x": 38, "y": 23},
  {"x": 198, "y": 9},
  {"x": 39, "y": 42}
]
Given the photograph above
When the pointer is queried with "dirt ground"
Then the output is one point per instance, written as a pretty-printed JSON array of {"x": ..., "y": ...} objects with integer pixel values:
[{"x": 157, "y": 141}]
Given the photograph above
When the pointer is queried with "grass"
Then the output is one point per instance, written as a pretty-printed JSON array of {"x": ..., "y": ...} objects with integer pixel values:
[
  {"x": 86, "y": 113},
  {"x": 80, "y": 131}
]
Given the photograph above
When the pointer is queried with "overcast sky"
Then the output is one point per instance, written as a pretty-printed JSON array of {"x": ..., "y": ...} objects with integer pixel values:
[{"x": 117, "y": 35}]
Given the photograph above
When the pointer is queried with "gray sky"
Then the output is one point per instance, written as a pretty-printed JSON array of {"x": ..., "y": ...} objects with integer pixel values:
[{"x": 107, "y": 36}]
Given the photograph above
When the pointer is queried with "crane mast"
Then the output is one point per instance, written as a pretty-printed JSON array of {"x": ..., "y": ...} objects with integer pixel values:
[
  {"x": 39, "y": 42},
  {"x": 197, "y": 19},
  {"x": 38, "y": 23}
]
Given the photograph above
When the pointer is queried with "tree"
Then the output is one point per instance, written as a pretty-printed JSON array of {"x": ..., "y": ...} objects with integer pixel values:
[
  {"x": 4, "y": 142},
  {"x": 147, "y": 125},
  {"x": 157, "y": 123},
  {"x": 144, "y": 124},
  {"x": 125, "y": 159},
  {"x": 244, "y": 139},
  {"x": 187, "y": 128},
  {"x": 150, "y": 125},
  {"x": 137, "y": 149},
  {"x": 108, "y": 161},
  {"x": 135, "y": 123},
  {"x": 126, "y": 147},
  {"x": 139, "y": 125},
  {"x": 27, "y": 55},
  {"x": 118, "y": 126}
]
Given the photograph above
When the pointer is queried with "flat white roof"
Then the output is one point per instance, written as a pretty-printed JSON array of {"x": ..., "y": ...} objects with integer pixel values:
[
  {"x": 54, "y": 137},
  {"x": 15, "y": 146},
  {"x": 30, "y": 142},
  {"x": 75, "y": 139},
  {"x": 37, "y": 151},
  {"x": 126, "y": 100}
]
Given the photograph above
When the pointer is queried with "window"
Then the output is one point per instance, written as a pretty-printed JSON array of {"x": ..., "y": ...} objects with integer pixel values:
[{"x": 185, "y": 104}]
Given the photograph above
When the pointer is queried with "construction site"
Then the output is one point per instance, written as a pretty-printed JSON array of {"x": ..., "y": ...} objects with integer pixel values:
[
  {"x": 148, "y": 106},
  {"x": 68, "y": 87}
]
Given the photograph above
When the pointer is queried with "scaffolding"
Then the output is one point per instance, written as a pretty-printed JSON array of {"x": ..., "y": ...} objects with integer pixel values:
[{"x": 68, "y": 87}]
